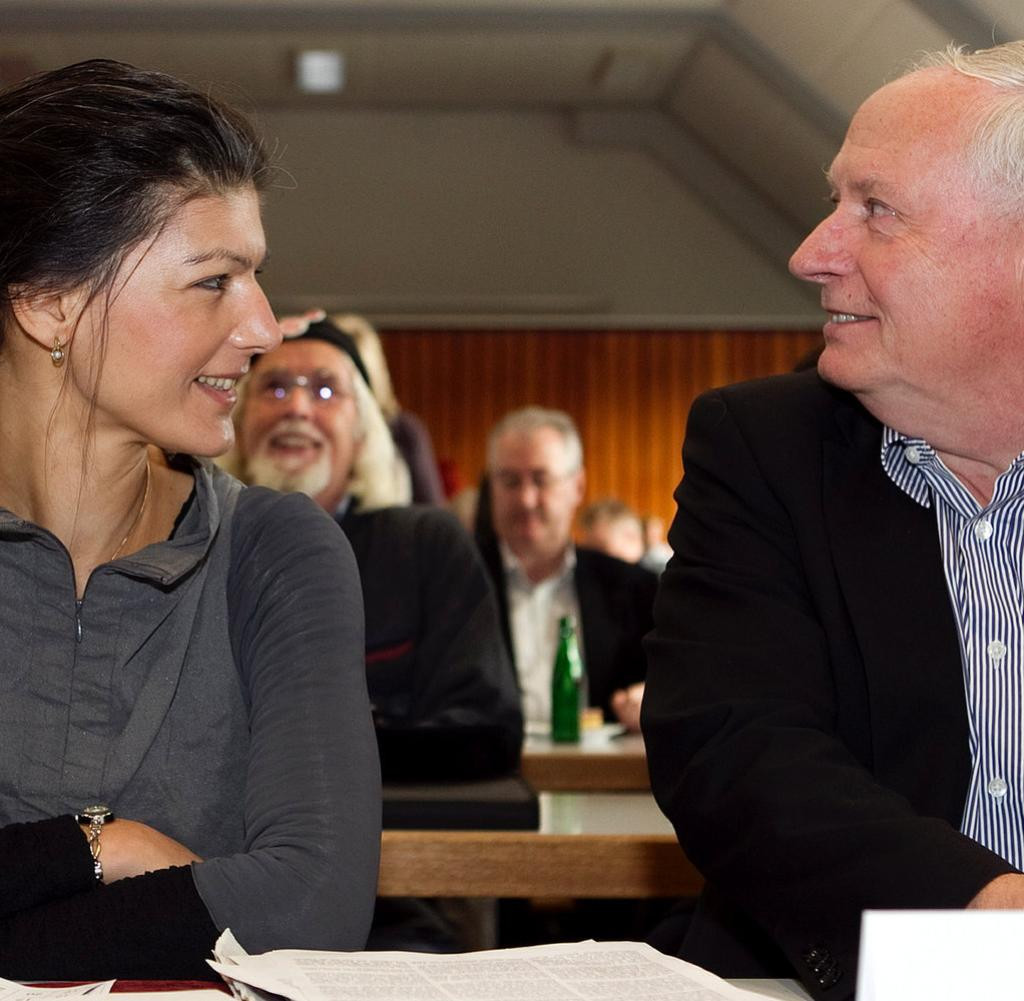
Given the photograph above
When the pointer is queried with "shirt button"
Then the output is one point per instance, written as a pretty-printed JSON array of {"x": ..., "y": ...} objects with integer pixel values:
[
  {"x": 997, "y": 650},
  {"x": 996, "y": 788},
  {"x": 913, "y": 454},
  {"x": 983, "y": 530}
]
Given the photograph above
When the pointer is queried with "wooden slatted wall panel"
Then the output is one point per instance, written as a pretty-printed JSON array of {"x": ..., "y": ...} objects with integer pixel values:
[{"x": 629, "y": 392}]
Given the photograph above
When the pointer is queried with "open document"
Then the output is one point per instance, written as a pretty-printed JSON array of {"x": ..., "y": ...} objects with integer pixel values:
[
  {"x": 13, "y": 991},
  {"x": 584, "y": 971}
]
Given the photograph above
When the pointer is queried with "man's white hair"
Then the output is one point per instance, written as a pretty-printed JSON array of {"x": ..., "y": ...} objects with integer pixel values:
[
  {"x": 996, "y": 148},
  {"x": 380, "y": 477},
  {"x": 529, "y": 419}
]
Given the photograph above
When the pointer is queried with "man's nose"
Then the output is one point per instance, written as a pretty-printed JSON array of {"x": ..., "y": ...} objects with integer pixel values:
[
  {"x": 529, "y": 493},
  {"x": 826, "y": 253},
  {"x": 299, "y": 402}
]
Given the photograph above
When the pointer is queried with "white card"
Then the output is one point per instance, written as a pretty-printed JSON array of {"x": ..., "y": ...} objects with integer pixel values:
[{"x": 941, "y": 956}]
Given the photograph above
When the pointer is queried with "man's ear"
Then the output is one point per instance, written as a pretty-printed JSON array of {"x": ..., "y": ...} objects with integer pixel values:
[
  {"x": 581, "y": 485},
  {"x": 47, "y": 317}
]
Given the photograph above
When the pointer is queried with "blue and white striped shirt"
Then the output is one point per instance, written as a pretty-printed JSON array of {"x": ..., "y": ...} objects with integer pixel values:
[{"x": 983, "y": 558}]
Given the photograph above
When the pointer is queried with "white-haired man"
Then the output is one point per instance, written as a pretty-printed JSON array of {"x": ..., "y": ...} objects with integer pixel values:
[
  {"x": 536, "y": 481},
  {"x": 442, "y": 687},
  {"x": 833, "y": 707}
]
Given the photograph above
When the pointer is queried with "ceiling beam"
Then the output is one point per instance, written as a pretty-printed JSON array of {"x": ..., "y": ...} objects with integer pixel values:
[
  {"x": 827, "y": 117},
  {"x": 373, "y": 15},
  {"x": 717, "y": 186},
  {"x": 963, "y": 22}
]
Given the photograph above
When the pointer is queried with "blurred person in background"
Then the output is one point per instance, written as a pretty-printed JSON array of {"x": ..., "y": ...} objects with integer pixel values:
[
  {"x": 441, "y": 684},
  {"x": 657, "y": 551},
  {"x": 409, "y": 433},
  {"x": 442, "y": 687},
  {"x": 536, "y": 482},
  {"x": 613, "y": 527}
]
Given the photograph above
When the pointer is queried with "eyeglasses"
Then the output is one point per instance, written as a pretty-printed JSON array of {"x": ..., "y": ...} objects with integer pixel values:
[
  {"x": 539, "y": 479},
  {"x": 323, "y": 388}
]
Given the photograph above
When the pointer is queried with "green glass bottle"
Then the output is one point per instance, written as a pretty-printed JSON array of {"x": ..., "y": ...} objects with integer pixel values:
[{"x": 566, "y": 679}]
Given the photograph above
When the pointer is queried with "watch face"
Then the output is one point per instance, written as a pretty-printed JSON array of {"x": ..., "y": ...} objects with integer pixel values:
[{"x": 97, "y": 812}]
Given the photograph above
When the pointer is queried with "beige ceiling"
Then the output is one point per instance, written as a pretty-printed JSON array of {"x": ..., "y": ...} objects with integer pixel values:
[{"x": 744, "y": 100}]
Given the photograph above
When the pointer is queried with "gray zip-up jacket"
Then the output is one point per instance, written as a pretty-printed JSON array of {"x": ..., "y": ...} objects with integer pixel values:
[{"x": 212, "y": 686}]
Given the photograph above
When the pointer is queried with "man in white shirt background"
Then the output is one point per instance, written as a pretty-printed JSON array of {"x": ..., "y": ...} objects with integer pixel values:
[{"x": 537, "y": 481}]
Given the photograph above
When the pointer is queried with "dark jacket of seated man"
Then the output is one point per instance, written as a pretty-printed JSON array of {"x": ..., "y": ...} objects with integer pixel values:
[
  {"x": 804, "y": 715},
  {"x": 443, "y": 690},
  {"x": 616, "y": 599}
]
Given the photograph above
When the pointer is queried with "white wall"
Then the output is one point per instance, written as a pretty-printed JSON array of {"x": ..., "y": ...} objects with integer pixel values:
[{"x": 415, "y": 215}]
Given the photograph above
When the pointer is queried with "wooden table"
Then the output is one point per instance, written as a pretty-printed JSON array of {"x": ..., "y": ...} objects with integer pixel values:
[
  {"x": 596, "y": 763},
  {"x": 588, "y": 845},
  {"x": 780, "y": 990}
]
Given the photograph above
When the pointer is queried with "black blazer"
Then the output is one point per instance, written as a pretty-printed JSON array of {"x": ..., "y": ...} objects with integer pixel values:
[
  {"x": 804, "y": 712},
  {"x": 616, "y": 602},
  {"x": 444, "y": 694}
]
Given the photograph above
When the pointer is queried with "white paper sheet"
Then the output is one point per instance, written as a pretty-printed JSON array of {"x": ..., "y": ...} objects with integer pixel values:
[
  {"x": 210, "y": 993},
  {"x": 11, "y": 991},
  {"x": 584, "y": 971}
]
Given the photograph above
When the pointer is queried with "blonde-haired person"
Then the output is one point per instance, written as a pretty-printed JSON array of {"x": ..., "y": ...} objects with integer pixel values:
[
  {"x": 443, "y": 689},
  {"x": 437, "y": 668},
  {"x": 409, "y": 433}
]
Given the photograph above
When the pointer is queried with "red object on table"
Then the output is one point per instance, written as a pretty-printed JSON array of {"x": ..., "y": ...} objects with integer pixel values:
[
  {"x": 142, "y": 986},
  {"x": 128, "y": 986}
]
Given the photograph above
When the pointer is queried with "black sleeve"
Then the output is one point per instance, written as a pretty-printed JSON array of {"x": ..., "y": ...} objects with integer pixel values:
[
  {"x": 46, "y": 860},
  {"x": 740, "y": 718},
  {"x": 151, "y": 927},
  {"x": 616, "y": 608},
  {"x": 643, "y": 587},
  {"x": 58, "y": 923},
  {"x": 464, "y": 719}
]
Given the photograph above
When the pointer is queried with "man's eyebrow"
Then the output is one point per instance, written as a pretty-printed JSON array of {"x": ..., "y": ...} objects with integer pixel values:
[
  {"x": 317, "y": 373},
  {"x": 223, "y": 254},
  {"x": 861, "y": 186}
]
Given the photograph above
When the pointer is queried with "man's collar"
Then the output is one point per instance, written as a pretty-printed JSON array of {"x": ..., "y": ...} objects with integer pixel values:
[
  {"x": 909, "y": 462},
  {"x": 903, "y": 459},
  {"x": 513, "y": 566},
  {"x": 343, "y": 507}
]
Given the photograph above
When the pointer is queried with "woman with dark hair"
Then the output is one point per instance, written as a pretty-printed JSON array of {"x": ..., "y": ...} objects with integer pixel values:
[{"x": 185, "y": 736}]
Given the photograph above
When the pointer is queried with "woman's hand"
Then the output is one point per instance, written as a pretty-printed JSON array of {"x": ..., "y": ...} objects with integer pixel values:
[{"x": 129, "y": 848}]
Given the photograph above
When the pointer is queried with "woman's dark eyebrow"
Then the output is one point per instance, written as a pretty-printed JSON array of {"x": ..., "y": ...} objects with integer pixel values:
[{"x": 223, "y": 254}]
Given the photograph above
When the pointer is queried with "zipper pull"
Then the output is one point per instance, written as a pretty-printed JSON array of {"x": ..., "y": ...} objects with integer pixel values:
[{"x": 78, "y": 621}]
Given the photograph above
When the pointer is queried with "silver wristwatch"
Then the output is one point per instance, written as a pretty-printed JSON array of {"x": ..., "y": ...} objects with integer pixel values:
[{"x": 95, "y": 816}]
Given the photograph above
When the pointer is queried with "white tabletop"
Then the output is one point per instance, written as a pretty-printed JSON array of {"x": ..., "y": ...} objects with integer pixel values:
[
  {"x": 601, "y": 813},
  {"x": 609, "y": 740}
]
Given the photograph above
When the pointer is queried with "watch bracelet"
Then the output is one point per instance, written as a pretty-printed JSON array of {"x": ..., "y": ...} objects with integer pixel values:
[{"x": 96, "y": 817}]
